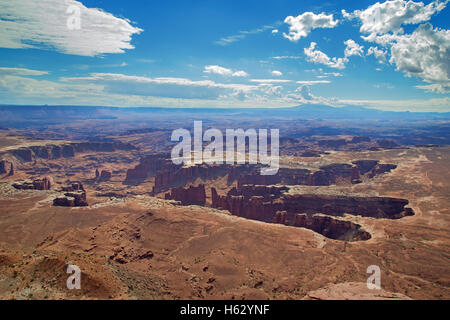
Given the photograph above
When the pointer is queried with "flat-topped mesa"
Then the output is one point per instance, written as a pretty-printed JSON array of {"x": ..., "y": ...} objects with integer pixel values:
[
  {"x": 38, "y": 184},
  {"x": 74, "y": 195},
  {"x": 332, "y": 143},
  {"x": 273, "y": 205},
  {"x": 262, "y": 203},
  {"x": 73, "y": 186},
  {"x": 71, "y": 199},
  {"x": 105, "y": 175},
  {"x": 375, "y": 207},
  {"x": 182, "y": 175},
  {"x": 188, "y": 196},
  {"x": 148, "y": 166},
  {"x": 387, "y": 143},
  {"x": 66, "y": 150},
  {"x": 359, "y": 139},
  {"x": 380, "y": 169},
  {"x": 23, "y": 154},
  {"x": 333, "y": 174}
]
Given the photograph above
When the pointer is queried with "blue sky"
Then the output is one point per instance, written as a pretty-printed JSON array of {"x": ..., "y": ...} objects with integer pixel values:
[{"x": 390, "y": 55}]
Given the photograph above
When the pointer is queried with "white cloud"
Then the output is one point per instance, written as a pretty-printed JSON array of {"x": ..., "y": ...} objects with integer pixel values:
[
  {"x": 163, "y": 87},
  {"x": 334, "y": 74},
  {"x": 274, "y": 31},
  {"x": 317, "y": 56},
  {"x": 218, "y": 70},
  {"x": 381, "y": 18},
  {"x": 353, "y": 49},
  {"x": 243, "y": 34},
  {"x": 270, "y": 80},
  {"x": 276, "y": 73},
  {"x": 21, "y": 72},
  {"x": 436, "y": 87},
  {"x": 301, "y": 26},
  {"x": 43, "y": 25},
  {"x": 312, "y": 82},
  {"x": 214, "y": 69},
  {"x": 305, "y": 92},
  {"x": 270, "y": 89},
  {"x": 286, "y": 57},
  {"x": 414, "y": 105},
  {"x": 117, "y": 90},
  {"x": 378, "y": 53},
  {"x": 424, "y": 54},
  {"x": 240, "y": 73}
]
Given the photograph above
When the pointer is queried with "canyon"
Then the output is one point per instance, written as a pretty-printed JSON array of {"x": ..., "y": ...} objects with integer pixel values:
[{"x": 141, "y": 227}]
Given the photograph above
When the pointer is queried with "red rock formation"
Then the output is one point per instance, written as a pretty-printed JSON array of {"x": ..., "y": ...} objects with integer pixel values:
[
  {"x": 74, "y": 196},
  {"x": 11, "y": 170},
  {"x": 365, "y": 166},
  {"x": 147, "y": 166},
  {"x": 74, "y": 186},
  {"x": 23, "y": 154},
  {"x": 173, "y": 175},
  {"x": 38, "y": 184},
  {"x": 3, "y": 165},
  {"x": 189, "y": 196},
  {"x": 380, "y": 169},
  {"x": 332, "y": 228},
  {"x": 280, "y": 217},
  {"x": 387, "y": 143},
  {"x": 97, "y": 174},
  {"x": 327, "y": 175},
  {"x": 360, "y": 139},
  {"x": 68, "y": 151},
  {"x": 332, "y": 143},
  {"x": 263, "y": 204},
  {"x": 105, "y": 175}
]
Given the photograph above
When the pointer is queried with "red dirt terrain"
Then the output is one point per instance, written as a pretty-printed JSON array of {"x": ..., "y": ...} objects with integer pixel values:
[{"x": 140, "y": 227}]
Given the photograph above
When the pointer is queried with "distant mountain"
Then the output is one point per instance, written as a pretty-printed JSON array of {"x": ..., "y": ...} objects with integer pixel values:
[{"x": 23, "y": 116}]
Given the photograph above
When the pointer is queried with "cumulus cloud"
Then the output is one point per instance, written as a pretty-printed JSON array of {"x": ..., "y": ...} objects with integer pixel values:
[
  {"x": 425, "y": 54},
  {"x": 389, "y": 16},
  {"x": 378, "y": 53},
  {"x": 305, "y": 93},
  {"x": 317, "y": 56},
  {"x": 301, "y": 26},
  {"x": 353, "y": 49},
  {"x": 214, "y": 69},
  {"x": 276, "y": 73},
  {"x": 43, "y": 25},
  {"x": 240, "y": 73}
]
